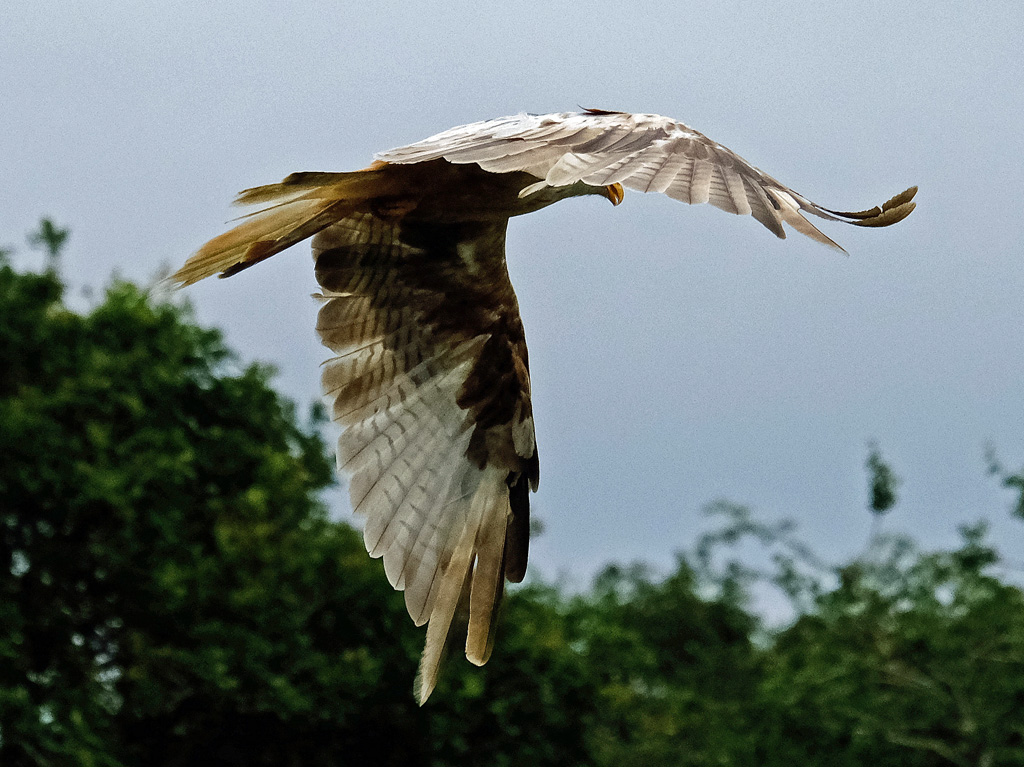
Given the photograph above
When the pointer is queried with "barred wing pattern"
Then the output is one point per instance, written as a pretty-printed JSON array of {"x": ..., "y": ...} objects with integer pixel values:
[
  {"x": 646, "y": 152},
  {"x": 431, "y": 383}
]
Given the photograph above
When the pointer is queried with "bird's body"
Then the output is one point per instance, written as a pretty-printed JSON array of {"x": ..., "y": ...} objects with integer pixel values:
[{"x": 431, "y": 379}]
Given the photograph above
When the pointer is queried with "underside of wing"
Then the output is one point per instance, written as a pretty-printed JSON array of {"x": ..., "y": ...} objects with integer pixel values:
[
  {"x": 648, "y": 153},
  {"x": 430, "y": 379},
  {"x": 431, "y": 385}
]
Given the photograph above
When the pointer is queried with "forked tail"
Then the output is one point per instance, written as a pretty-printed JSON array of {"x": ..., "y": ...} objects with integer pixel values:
[{"x": 299, "y": 207}]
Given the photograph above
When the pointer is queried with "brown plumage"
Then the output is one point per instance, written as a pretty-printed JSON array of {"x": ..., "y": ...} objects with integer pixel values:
[{"x": 430, "y": 381}]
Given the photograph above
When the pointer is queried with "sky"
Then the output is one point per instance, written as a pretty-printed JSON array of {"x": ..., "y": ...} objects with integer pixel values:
[{"x": 679, "y": 355}]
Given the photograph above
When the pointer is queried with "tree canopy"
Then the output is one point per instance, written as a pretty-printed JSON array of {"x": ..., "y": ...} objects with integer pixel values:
[{"x": 174, "y": 592}]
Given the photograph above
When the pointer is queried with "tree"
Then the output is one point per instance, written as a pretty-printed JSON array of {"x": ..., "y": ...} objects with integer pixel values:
[
  {"x": 173, "y": 592},
  {"x": 172, "y": 588},
  {"x": 898, "y": 657},
  {"x": 50, "y": 238}
]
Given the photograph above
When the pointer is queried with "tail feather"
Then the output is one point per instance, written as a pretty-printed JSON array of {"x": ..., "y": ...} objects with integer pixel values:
[
  {"x": 320, "y": 217},
  {"x": 258, "y": 238},
  {"x": 300, "y": 206},
  {"x": 303, "y": 184}
]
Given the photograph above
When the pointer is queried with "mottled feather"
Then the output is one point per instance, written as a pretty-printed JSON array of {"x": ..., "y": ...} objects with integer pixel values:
[{"x": 430, "y": 380}]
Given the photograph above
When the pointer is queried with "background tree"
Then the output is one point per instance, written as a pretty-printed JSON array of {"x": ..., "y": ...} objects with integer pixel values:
[
  {"x": 898, "y": 657},
  {"x": 172, "y": 592},
  {"x": 172, "y": 587}
]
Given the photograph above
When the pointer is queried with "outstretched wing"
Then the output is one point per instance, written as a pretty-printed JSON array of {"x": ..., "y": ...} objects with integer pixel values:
[
  {"x": 431, "y": 380},
  {"x": 649, "y": 153},
  {"x": 431, "y": 383}
]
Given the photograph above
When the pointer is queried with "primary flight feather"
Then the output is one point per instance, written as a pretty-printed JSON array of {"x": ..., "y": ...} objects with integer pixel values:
[{"x": 430, "y": 381}]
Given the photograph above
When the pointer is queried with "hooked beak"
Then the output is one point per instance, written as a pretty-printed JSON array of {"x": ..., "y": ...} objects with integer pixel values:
[{"x": 615, "y": 193}]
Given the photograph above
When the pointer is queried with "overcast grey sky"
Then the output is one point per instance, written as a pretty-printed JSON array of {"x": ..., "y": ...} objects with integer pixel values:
[{"x": 679, "y": 354}]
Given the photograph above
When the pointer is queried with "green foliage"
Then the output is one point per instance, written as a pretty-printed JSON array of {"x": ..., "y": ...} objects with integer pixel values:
[
  {"x": 1011, "y": 480},
  {"x": 49, "y": 237},
  {"x": 173, "y": 593},
  {"x": 674, "y": 671},
  {"x": 883, "y": 482},
  {"x": 899, "y": 657},
  {"x": 171, "y": 585},
  {"x": 917, "y": 661}
]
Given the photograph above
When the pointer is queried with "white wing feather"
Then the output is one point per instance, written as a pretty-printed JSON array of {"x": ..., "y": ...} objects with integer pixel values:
[
  {"x": 646, "y": 152},
  {"x": 438, "y": 476}
]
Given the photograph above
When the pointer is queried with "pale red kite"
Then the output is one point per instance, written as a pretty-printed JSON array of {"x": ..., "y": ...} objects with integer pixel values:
[{"x": 431, "y": 381}]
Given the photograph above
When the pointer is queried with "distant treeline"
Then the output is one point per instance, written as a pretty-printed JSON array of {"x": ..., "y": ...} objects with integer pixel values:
[{"x": 174, "y": 593}]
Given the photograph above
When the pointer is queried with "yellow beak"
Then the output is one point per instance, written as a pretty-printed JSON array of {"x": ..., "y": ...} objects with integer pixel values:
[{"x": 615, "y": 193}]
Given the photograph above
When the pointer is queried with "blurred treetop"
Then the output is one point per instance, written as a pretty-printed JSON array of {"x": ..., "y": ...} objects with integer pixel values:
[{"x": 174, "y": 593}]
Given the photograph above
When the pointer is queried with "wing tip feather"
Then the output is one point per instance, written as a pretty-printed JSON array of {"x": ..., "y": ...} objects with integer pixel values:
[{"x": 892, "y": 211}]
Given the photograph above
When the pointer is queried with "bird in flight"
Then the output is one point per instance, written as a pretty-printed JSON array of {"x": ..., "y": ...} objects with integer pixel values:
[{"x": 431, "y": 381}]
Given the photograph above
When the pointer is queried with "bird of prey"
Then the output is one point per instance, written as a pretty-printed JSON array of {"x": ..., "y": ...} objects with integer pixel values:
[{"x": 431, "y": 381}]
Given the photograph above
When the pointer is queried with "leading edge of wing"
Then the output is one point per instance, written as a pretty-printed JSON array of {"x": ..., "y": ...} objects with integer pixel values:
[{"x": 644, "y": 152}]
